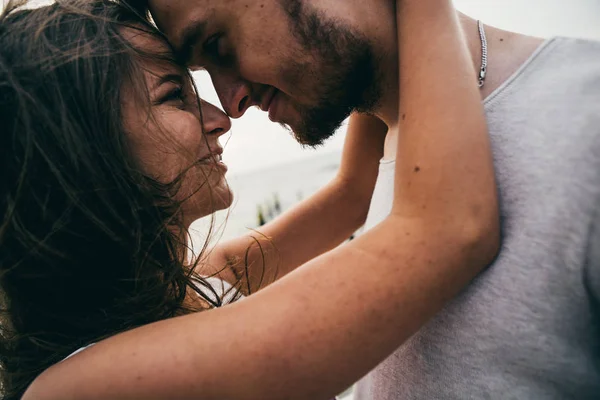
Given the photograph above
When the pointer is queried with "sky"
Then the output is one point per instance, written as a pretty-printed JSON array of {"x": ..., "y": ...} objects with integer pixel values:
[{"x": 257, "y": 143}]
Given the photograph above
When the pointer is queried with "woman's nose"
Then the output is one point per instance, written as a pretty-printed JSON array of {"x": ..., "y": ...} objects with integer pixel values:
[{"x": 214, "y": 121}]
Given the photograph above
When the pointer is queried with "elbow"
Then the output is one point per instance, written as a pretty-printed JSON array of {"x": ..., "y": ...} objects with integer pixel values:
[
  {"x": 471, "y": 232},
  {"x": 356, "y": 196},
  {"x": 361, "y": 218},
  {"x": 474, "y": 228},
  {"x": 481, "y": 235}
]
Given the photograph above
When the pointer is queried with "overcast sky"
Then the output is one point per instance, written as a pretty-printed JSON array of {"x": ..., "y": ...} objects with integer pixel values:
[{"x": 257, "y": 143}]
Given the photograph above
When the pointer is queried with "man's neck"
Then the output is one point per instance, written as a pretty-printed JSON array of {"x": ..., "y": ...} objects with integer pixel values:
[{"x": 507, "y": 51}]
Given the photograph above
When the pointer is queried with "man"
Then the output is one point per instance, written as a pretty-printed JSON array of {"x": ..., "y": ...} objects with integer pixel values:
[{"x": 529, "y": 327}]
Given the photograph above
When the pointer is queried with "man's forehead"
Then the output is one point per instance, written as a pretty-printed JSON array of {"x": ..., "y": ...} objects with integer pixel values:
[
  {"x": 166, "y": 9},
  {"x": 175, "y": 17}
]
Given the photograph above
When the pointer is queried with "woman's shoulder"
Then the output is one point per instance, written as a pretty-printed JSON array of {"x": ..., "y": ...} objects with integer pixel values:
[{"x": 216, "y": 289}]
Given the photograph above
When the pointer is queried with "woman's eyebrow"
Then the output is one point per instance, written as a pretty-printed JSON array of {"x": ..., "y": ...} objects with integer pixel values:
[{"x": 174, "y": 78}]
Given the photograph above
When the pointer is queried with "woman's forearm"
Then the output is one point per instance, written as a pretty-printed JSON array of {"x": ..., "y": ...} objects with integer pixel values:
[
  {"x": 309, "y": 229},
  {"x": 307, "y": 336},
  {"x": 317, "y": 224},
  {"x": 444, "y": 168}
]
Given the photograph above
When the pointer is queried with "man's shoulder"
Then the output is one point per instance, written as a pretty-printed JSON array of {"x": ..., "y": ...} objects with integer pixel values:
[
  {"x": 561, "y": 71},
  {"x": 579, "y": 56},
  {"x": 582, "y": 86},
  {"x": 568, "y": 74},
  {"x": 576, "y": 47}
]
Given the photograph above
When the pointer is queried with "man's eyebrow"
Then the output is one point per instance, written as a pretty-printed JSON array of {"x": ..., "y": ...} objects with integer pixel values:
[
  {"x": 189, "y": 36},
  {"x": 175, "y": 78}
]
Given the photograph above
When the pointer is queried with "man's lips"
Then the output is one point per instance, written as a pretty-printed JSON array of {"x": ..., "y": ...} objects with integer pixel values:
[{"x": 267, "y": 99}]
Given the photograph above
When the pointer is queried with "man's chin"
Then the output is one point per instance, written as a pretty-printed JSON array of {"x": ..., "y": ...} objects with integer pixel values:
[
  {"x": 301, "y": 137},
  {"x": 313, "y": 128},
  {"x": 317, "y": 133},
  {"x": 312, "y": 137}
]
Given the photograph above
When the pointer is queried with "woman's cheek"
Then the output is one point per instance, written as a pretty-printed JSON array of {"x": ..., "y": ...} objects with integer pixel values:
[{"x": 184, "y": 128}]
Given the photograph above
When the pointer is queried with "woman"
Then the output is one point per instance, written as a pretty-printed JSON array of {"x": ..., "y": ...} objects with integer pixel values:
[{"x": 106, "y": 161}]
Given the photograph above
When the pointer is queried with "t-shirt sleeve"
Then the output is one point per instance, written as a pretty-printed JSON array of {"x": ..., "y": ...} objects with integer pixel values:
[
  {"x": 79, "y": 351},
  {"x": 592, "y": 277}
]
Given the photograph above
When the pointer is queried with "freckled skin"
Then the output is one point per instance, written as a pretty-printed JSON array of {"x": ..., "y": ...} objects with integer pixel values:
[{"x": 174, "y": 138}]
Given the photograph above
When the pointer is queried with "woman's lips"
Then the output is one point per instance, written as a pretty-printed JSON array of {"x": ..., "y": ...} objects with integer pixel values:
[{"x": 214, "y": 159}]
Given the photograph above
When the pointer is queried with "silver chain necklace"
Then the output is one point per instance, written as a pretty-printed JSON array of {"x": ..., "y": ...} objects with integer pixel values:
[{"x": 484, "y": 54}]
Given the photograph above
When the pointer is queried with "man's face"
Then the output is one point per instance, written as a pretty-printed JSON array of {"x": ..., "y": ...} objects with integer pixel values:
[{"x": 307, "y": 70}]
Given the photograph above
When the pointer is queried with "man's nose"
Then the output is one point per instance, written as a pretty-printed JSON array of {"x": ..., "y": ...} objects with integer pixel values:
[{"x": 235, "y": 94}]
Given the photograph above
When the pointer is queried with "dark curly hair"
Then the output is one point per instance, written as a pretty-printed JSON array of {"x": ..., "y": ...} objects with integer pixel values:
[{"x": 88, "y": 244}]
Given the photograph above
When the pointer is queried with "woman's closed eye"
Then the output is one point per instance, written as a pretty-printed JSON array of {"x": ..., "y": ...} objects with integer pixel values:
[{"x": 174, "y": 96}]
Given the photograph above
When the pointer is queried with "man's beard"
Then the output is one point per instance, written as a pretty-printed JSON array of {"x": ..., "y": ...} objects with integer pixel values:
[{"x": 344, "y": 77}]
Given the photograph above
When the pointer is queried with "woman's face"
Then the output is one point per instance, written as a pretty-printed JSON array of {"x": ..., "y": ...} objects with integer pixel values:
[{"x": 176, "y": 137}]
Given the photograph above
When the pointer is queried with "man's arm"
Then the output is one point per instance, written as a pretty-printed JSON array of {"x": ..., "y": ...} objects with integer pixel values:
[{"x": 314, "y": 226}]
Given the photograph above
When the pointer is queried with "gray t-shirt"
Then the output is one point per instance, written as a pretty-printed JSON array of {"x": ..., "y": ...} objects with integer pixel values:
[{"x": 529, "y": 326}]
